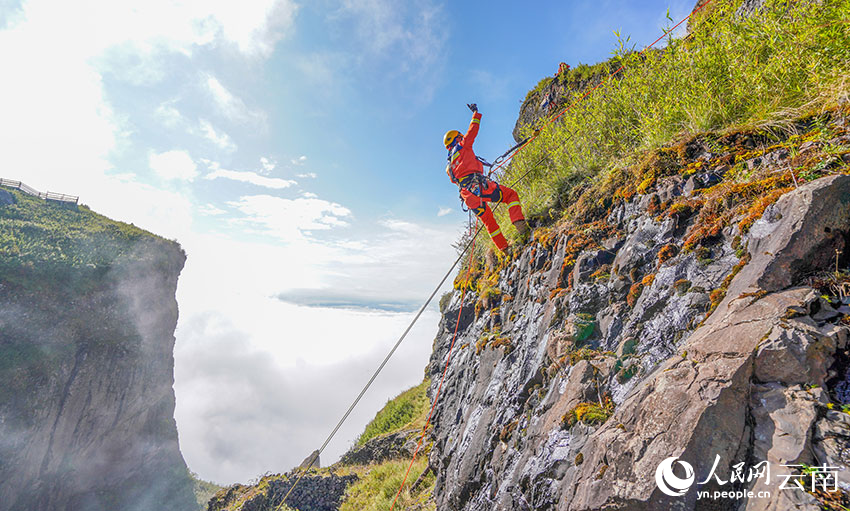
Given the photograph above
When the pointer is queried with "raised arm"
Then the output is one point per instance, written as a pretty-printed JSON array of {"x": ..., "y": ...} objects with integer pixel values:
[{"x": 471, "y": 133}]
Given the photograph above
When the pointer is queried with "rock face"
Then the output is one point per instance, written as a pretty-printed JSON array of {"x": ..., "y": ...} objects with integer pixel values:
[
  {"x": 86, "y": 401},
  {"x": 555, "y": 95},
  {"x": 382, "y": 448},
  {"x": 313, "y": 493},
  {"x": 725, "y": 355}
]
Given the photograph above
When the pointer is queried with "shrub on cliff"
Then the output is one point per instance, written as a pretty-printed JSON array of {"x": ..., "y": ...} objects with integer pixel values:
[
  {"x": 376, "y": 490},
  {"x": 407, "y": 410}
]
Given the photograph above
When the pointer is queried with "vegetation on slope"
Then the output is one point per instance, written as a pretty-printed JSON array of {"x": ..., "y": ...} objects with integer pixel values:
[
  {"x": 54, "y": 260},
  {"x": 376, "y": 489},
  {"x": 204, "y": 490},
  {"x": 377, "y": 483},
  {"x": 62, "y": 241},
  {"x": 408, "y": 410},
  {"x": 577, "y": 78},
  {"x": 789, "y": 60}
]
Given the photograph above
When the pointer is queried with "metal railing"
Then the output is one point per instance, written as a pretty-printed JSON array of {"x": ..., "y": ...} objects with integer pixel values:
[{"x": 59, "y": 197}]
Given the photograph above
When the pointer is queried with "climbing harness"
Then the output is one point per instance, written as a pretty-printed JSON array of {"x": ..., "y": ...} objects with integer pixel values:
[
  {"x": 481, "y": 187},
  {"x": 474, "y": 184},
  {"x": 497, "y": 163}
]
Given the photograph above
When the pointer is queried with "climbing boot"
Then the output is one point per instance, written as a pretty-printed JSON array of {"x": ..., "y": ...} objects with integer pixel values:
[
  {"x": 490, "y": 259},
  {"x": 523, "y": 230}
]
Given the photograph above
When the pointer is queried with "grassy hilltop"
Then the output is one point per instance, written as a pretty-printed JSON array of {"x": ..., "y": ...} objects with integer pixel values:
[{"x": 51, "y": 241}]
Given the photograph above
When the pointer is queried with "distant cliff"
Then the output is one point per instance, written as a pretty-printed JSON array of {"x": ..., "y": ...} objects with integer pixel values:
[{"x": 87, "y": 318}]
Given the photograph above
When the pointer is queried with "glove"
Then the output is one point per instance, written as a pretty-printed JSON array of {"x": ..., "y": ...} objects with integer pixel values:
[{"x": 473, "y": 107}]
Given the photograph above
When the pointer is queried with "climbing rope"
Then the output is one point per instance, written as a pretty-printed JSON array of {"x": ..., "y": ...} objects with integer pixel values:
[
  {"x": 497, "y": 163},
  {"x": 451, "y": 346}
]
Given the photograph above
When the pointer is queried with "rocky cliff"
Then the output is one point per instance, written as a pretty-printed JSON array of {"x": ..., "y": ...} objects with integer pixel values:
[
  {"x": 87, "y": 318},
  {"x": 689, "y": 313}
]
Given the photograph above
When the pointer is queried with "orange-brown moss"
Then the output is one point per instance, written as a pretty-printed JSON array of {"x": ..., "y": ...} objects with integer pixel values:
[
  {"x": 602, "y": 272},
  {"x": 756, "y": 210},
  {"x": 655, "y": 206},
  {"x": 682, "y": 286},
  {"x": 507, "y": 431},
  {"x": 589, "y": 413},
  {"x": 646, "y": 184},
  {"x": 502, "y": 342},
  {"x": 685, "y": 208},
  {"x": 666, "y": 253},
  {"x": 634, "y": 293}
]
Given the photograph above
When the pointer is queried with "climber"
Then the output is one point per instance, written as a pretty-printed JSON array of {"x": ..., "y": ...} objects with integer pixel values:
[{"x": 466, "y": 171}]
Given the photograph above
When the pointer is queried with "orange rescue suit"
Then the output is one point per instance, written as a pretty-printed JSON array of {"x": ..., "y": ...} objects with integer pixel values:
[{"x": 476, "y": 190}]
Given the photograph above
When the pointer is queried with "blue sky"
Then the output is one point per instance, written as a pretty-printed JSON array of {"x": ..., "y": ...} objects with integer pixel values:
[{"x": 294, "y": 150}]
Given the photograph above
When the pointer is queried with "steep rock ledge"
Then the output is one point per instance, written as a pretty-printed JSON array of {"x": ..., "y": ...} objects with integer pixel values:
[{"x": 593, "y": 366}]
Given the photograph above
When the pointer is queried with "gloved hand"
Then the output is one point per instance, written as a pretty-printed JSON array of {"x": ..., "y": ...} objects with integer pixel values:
[{"x": 473, "y": 107}]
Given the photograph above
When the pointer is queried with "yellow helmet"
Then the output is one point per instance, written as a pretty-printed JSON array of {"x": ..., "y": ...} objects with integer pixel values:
[{"x": 449, "y": 137}]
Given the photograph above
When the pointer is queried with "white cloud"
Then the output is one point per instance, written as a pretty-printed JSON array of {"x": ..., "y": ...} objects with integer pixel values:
[
  {"x": 311, "y": 175},
  {"x": 247, "y": 406},
  {"x": 288, "y": 219},
  {"x": 210, "y": 210},
  {"x": 444, "y": 211},
  {"x": 168, "y": 115},
  {"x": 173, "y": 165},
  {"x": 267, "y": 164},
  {"x": 222, "y": 140},
  {"x": 301, "y": 160},
  {"x": 60, "y": 103},
  {"x": 250, "y": 177},
  {"x": 309, "y": 195},
  {"x": 231, "y": 106},
  {"x": 400, "y": 225},
  {"x": 407, "y": 40},
  {"x": 241, "y": 358}
]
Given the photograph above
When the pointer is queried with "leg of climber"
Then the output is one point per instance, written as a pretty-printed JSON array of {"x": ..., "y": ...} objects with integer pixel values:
[
  {"x": 511, "y": 199},
  {"x": 494, "y": 192},
  {"x": 483, "y": 212},
  {"x": 492, "y": 227}
]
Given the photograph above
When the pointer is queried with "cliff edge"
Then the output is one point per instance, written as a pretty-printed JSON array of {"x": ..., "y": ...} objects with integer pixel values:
[{"x": 87, "y": 318}]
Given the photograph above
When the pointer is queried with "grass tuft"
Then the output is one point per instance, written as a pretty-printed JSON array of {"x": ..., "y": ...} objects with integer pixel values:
[
  {"x": 376, "y": 490},
  {"x": 406, "y": 411}
]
